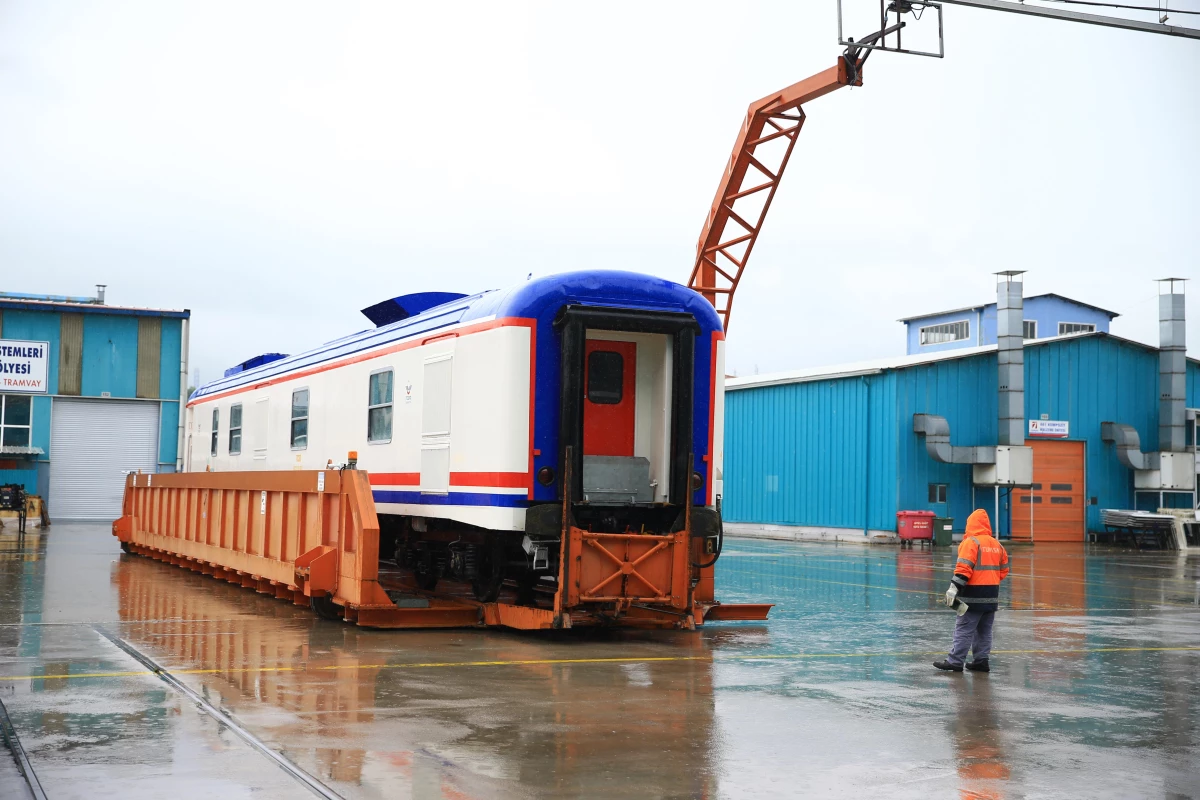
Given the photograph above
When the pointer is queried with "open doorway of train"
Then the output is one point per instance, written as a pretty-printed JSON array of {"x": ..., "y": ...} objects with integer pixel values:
[{"x": 1053, "y": 509}]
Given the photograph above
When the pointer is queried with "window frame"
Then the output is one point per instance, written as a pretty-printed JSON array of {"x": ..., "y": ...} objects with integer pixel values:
[
  {"x": 1028, "y": 322},
  {"x": 293, "y": 419},
  {"x": 939, "y": 490},
  {"x": 391, "y": 403},
  {"x": 1091, "y": 328},
  {"x": 233, "y": 430},
  {"x": 215, "y": 433},
  {"x": 5, "y": 426},
  {"x": 921, "y": 332}
]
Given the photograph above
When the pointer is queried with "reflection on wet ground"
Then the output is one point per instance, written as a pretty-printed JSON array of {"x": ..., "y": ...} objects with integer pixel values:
[{"x": 1093, "y": 691}]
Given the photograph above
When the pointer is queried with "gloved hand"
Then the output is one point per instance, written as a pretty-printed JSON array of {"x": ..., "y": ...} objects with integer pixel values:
[{"x": 951, "y": 593}]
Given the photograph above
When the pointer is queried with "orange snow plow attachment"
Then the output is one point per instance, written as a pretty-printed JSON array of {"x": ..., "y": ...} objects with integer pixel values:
[{"x": 312, "y": 537}]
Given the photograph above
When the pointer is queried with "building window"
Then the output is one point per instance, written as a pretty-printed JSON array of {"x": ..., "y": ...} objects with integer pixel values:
[
  {"x": 1075, "y": 327},
  {"x": 947, "y": 332},
  {"x": 379, "y": 407},
  {"x": 215, "y": 428},
  {"x": 1030, "y": 329},
  {"x": 16, "y": 420},
  {"x": 235, "y": 430},
  {"x": 299, "y": 419},
  {"x": 605, "y": 377},
  {"x": 937, "y": 492}
]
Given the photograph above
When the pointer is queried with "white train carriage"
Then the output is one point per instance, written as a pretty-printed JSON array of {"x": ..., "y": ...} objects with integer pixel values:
[{"x": 465, "y": 411}]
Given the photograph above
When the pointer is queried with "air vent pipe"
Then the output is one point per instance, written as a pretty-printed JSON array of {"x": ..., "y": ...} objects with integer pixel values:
[{"x": 1172, "y": 364}]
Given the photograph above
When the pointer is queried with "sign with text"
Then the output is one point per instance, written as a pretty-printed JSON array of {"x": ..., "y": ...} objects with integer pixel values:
[
  {"x": 23, "y": 366},
  {"x": 1049, "y": 428}
]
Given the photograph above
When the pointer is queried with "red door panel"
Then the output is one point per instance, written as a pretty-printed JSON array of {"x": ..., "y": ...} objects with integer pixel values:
[
  {"x": 609, "y": 401},
  {"x": 1057, "y": 497}
]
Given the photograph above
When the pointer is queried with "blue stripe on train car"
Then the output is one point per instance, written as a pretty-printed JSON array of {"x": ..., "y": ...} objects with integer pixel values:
[{"x": 451, "y": 499}]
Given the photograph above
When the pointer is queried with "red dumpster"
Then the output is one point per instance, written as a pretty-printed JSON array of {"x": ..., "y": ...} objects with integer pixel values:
[{"x": 914, "y": 524}]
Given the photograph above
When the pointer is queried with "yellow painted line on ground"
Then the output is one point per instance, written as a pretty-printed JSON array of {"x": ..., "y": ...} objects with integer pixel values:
[{"x": 614, "y": 660}]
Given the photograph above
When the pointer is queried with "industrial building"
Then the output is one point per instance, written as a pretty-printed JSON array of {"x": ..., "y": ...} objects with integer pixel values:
[
  {"x": 88, "y": 393},
  {"x": 837, "y": 452}
]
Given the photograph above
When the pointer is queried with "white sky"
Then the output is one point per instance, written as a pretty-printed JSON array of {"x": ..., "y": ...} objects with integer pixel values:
[{"x": 276, "y": 167}]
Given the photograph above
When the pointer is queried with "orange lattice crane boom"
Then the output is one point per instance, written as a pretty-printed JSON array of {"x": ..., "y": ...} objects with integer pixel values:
[{"x": 752, "y": 175}]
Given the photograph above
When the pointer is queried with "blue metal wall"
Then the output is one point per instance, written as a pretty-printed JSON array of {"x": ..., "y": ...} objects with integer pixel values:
[
  {"x": 819, "y": 453},
  {"x": 109, "y": 365},
  {"x": 806, "y": 454},
  {"x": 1046, "y": 310}
]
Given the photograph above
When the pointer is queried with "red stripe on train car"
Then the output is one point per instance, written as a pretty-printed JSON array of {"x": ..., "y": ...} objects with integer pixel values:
[
  {"x": 478, "y": 327},
  {"x": 495, "y": 480}
]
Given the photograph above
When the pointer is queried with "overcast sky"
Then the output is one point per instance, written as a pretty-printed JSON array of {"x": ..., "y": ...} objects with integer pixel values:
[{"x": 276, "y": 167}]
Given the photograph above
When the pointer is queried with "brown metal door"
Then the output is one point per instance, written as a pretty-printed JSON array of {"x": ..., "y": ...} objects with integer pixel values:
[{"x": 1057, "y": 496}]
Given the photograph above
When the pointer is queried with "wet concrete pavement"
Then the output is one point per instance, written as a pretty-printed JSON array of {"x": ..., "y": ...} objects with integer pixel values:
[{"x": 1093, "y": 691}]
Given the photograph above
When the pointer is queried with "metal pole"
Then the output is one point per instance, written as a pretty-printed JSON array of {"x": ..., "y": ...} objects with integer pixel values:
[
  {"x": 997, "y": 490},
  {"x": 1078, "y": 16}
]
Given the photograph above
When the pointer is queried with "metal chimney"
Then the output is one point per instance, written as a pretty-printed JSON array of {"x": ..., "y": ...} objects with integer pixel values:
[
  {"x": 100, "y": 287},
  {"x": 1010, "y": 338},
  {"x": 1172, "y": 363}
]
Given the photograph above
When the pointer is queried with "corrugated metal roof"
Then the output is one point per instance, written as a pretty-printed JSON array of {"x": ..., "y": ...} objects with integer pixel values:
[
  {"x": 19, "y": 304},
  {"x": 879, "y": 365},
  {"x": 977, "y": 307}
]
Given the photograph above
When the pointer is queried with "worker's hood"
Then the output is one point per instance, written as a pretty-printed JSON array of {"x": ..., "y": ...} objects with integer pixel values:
[{"x": 978, "y": 523}]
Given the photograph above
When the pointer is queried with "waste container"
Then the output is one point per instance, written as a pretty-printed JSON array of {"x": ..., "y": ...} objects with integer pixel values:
[
  {"x": 912, "y": 525},
  {"x": 943, "y": 531}
]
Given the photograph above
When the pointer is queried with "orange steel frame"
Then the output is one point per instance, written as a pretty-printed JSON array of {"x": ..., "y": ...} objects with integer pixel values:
[
  {"x": 728, "y": 237},
  {"x": 305, "y": 535}
]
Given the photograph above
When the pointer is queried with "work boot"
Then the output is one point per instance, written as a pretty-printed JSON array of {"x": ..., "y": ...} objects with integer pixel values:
[
  {"x": 980, "y": 665},
  {"x": 946, "y": 665}
]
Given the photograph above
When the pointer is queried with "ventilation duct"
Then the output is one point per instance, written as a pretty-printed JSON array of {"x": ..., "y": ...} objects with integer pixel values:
[
  {"x": 1173, "y": 468},
  {"x": 936, "y": 431}
]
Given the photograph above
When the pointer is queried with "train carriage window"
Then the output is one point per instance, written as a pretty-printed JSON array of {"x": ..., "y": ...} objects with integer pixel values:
[
  {"x": 605, "y": 377},
  {"x": 235, "y": 430},
  {"x": 379, "y": 407},
  {"x": 215, "y": 430},
  {"x": 299, "y": 436}
]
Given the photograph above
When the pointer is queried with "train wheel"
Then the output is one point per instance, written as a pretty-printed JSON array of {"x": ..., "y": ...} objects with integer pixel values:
[
  {"x": 425, "y": 571},
  {"x": 491, "y": 570},
  {"x": 125, "y": 548},
  {"x": 324, "y": 607}
]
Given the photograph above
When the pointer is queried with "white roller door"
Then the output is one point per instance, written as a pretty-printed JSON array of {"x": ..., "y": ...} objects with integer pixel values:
[{"x": 93, "y": 444}]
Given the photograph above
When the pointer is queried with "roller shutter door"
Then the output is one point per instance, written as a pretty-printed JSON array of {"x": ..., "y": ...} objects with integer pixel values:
[
  {"x": 1057, "y": 496},
  {"x": 93, "y": 444}
]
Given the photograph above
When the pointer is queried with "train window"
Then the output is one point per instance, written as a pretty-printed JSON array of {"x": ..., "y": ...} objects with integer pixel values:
[
  {"x": 215, "y": 429},
  {"x": 605, "y": 377},
  {"x": 235, "y": 429},
  {"x": 299, "y": 419},
  {"x": 379, "y": 407}
]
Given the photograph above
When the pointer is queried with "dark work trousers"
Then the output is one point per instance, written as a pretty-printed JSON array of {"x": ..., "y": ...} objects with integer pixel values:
[{"x": 972, "y": 631}]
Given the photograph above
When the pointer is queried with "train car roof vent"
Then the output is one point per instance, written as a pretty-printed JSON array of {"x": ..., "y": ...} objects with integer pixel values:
[
  {"x": 407, "y": 305},
  {"x": 251, "y": 363}
]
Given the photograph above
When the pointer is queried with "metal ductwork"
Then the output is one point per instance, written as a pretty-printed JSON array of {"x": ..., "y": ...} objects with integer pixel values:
[
  {"x": 1129, "y": 446},
  {"x": 1172, "y": 366},
  {"x": 1010, "y": 356},
  {"x": 1173, "y": 467},
  {"x": 936, "y": 431}
]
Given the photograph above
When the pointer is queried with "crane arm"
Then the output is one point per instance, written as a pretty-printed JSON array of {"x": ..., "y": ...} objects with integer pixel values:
[{"x": 752, "y": 175}]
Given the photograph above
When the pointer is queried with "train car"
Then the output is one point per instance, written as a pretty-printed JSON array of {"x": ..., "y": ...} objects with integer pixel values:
[{"x": 470, "y": 412}]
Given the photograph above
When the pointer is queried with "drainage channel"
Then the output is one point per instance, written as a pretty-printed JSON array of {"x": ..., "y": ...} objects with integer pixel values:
[
  {"x": 9, "y": 734},
  {"x": 281, "y": 761}
]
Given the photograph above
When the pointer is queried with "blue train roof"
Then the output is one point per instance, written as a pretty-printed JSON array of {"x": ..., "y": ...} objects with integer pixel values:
[{"x": 539, "y": 299}]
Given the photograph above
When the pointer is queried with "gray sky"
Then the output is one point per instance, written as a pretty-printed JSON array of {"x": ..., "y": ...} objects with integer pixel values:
[{"x": 276, "y": 167}]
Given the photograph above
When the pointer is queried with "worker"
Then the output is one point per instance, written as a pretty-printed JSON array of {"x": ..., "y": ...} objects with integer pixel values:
[{"x": 974, "y": 592}]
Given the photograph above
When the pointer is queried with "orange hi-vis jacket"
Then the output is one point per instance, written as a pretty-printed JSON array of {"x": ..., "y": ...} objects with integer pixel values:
[{"x": 982, "y": 564}]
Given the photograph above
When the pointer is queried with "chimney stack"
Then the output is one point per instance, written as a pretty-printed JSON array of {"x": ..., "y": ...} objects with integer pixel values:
[
  {"x": 1172, "y": 363},
  {"x": 1010, "y": 338},
  {"x": 100, "y": 287}
]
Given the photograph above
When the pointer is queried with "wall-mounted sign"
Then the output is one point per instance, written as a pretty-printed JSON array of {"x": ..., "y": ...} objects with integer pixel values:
[
  {"x": 23, "y": 366},
  {"x": 1049, "y": 428}
]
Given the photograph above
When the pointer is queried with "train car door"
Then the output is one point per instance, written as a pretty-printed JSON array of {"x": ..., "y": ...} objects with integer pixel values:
[{"x": 609, "y": 398}]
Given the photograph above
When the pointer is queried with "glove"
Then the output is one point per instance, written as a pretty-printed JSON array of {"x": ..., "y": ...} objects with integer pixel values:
[{"x": 951, "y": 593}]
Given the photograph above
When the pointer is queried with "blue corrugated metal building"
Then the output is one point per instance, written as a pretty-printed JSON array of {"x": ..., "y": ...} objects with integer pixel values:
[
  {"x": 833, "y": 451},
  {"x": 88, "y": 392}
]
